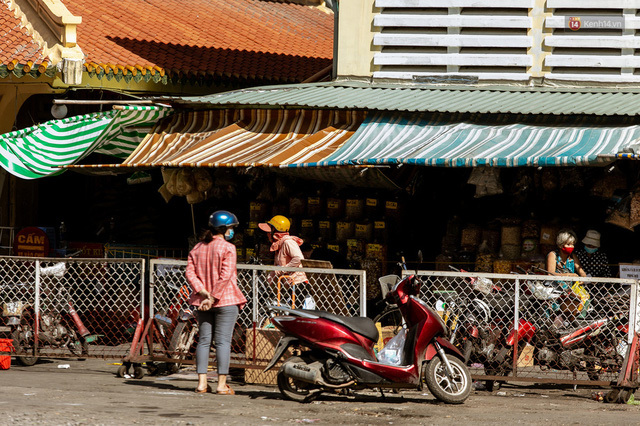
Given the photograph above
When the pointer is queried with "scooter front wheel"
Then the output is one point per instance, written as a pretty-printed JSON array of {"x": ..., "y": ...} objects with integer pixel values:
[
  {"x": 296, "y": 390},
  {"x": 451, "y": 390}
]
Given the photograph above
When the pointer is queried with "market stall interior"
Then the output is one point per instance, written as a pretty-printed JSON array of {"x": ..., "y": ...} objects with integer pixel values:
[{"x": 483, "y": 219}]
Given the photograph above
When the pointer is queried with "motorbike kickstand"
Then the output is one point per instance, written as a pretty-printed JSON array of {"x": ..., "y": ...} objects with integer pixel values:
[{"x": 384, "y": 398}]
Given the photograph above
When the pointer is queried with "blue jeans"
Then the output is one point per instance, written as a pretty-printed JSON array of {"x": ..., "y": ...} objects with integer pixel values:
[{"x": 224, "y": 319}]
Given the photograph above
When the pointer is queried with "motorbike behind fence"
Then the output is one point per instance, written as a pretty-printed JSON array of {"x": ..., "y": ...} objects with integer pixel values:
[
  {"x": 567, "y": 330},
  {"x": 54, "y": 324}
]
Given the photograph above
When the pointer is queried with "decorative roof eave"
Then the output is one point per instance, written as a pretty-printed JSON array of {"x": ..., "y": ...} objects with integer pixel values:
[
  {"x": 59, "y": 44},
  {"x": 29, "y": 69},
  {"x": 157, "y": 74}
]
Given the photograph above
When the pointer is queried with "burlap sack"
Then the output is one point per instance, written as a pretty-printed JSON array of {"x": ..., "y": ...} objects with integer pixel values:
[
  {"x": 185, "y": 183},
  {"x": 203, "y": 180},
  {"x": 195, "y": 197},
  {"x": 169, "y": 176},
  {"x": 634, "y": 211}
]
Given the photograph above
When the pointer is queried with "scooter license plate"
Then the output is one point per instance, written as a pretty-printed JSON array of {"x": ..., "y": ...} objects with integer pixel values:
[{"x": 12, "y": 308}]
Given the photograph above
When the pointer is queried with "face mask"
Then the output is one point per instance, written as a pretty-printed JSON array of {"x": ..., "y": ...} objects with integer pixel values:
[
  {"x": 567, "y": 250},
  {"x": 229, "y": 235},
  {"x": 591, "y": 250}
]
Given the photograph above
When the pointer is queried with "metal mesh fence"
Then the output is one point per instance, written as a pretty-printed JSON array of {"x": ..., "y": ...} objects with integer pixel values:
[
  {"x": 85, "y": 306},
  {"x": 534, "y": 327},
  {"x": 121, "y": 251},
  {"x": 332, "y": 290}
]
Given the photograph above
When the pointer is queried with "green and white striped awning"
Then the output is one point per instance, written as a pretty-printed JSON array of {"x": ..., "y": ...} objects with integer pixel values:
[
  {"x": 441, "y": 140},
  {"x": 41, "y": 150}
]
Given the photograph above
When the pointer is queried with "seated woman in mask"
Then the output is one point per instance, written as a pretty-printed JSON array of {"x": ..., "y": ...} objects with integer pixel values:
[
  {"x": 594, "y": 262},
  {"x": 563, "y": 261}
]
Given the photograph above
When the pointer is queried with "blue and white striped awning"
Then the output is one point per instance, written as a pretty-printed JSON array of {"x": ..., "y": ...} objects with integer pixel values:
[{"x": 438, "y": 140}]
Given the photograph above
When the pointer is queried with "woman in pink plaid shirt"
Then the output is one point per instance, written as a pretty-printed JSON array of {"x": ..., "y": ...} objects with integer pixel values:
[{"x": 211, "y": 272}]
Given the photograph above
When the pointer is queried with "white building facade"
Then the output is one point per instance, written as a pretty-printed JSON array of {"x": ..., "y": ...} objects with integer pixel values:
[{"x": 520, "y": 42}]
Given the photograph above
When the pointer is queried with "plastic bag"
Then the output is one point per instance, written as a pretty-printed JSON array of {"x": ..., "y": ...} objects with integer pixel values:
[
  {"x": 580, "y": 291},
  {"x": 543, "y": 290},
  {"x": 309, "y": 303},
  {"x": 57, "y": 270},
  {"x": 393, "y": 351},
  {"x": 482, "y": 284},
  {"x": 486, "y": 180}
]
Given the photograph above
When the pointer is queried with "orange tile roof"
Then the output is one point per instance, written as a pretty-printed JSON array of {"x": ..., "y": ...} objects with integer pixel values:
[
  {"x": 19, "y": 51},
  {"x": 231, "y": 39}
]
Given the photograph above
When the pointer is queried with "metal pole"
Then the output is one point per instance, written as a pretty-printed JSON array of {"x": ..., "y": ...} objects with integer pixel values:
[
  {"x": 633, "y": 312},
  {"x": 94, "y": 102},
  {"x": 516, "y": 321},
  {"x": 254, "y": 290},
  {"x": 255, "y": 303},
  {"x": 363, "y": 294},
  {"x": 152, "y": 283},
  {"x": 36, "y": 326},
  {"x": 193, "y": 220}
]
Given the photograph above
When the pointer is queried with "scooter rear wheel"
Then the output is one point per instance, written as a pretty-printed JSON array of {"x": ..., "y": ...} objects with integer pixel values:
[
  {"x": 20, "y": 345},
  {"x": 453, "y": 390},
  {"x": 390, "y": 317},
  {"x": 296, "y": 390},
  {"x": 182, "y": 345}
]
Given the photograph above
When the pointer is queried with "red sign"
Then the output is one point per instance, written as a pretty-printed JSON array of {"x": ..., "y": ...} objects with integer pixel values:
[
  {"x": 31, "y": 242},
  {"x": 574, "y": 23}
]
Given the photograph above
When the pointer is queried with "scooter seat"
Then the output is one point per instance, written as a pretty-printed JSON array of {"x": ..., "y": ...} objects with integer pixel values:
[{"x": 362, "y": 325}]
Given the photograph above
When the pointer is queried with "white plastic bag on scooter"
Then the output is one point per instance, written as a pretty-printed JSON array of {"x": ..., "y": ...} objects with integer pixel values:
[
  {"x": 309, "y": 303},
  {"x": 393, "y": 352}
]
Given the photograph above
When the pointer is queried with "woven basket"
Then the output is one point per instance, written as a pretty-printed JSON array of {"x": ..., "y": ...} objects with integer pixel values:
[{"x": 510, "y": 235}]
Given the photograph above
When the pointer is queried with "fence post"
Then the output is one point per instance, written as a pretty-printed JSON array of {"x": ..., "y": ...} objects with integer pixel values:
[
  {"x": 152, "y": 281},
  {"x": 363, "y": 294},
  {"x": 516, "y": 324},
  {"x": 36, "y": 319},
  {"x": 633, "y": 312},
  {"x": 254, "y": 299}
]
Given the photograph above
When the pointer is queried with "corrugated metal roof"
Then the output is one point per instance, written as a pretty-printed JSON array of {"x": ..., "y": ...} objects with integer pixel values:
[{"x": 452, "y": 99}]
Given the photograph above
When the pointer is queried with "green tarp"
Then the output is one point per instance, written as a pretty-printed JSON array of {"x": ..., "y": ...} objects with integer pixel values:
[{"x": 41, "y": 150}]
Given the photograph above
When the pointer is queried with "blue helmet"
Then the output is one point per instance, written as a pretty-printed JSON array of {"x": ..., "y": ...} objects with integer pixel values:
[{"x": 222, "y": 218}]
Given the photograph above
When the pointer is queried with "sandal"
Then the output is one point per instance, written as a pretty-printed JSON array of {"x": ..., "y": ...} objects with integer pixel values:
[
  {"x": 207, "y": 390},
  {"x": 227, "y": 391}
]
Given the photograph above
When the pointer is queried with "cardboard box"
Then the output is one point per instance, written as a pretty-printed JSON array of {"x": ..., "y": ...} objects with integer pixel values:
[
  {"x": 525, "y": 357},
  {"x": 264, "y": 343},
  {"x": 548, "y": 235}
]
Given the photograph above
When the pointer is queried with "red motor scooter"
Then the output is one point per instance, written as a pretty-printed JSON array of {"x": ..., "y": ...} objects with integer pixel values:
[{"x": 336, "y": 352}]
